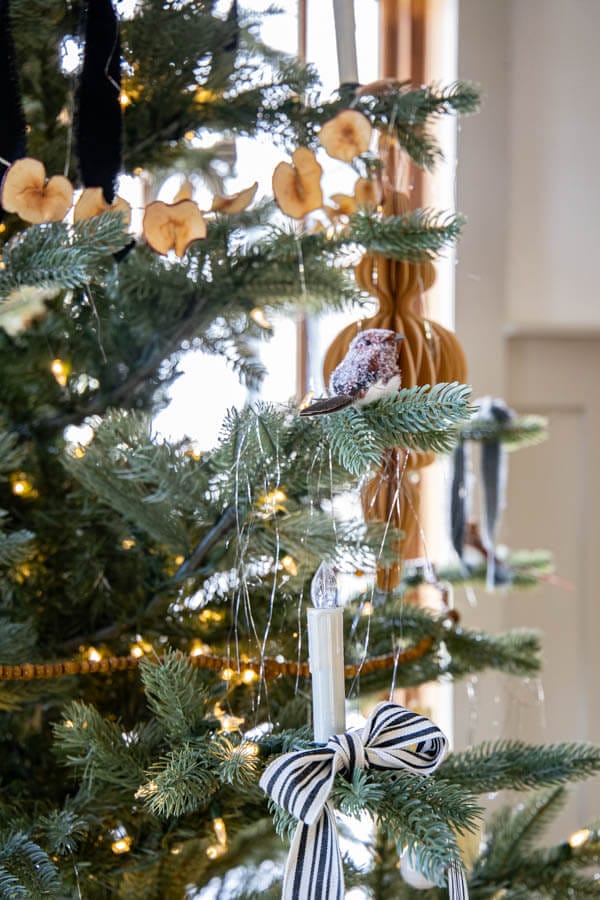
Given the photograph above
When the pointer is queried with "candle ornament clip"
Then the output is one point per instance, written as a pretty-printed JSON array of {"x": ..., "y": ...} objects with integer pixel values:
[{"x": 326, "y": 655}]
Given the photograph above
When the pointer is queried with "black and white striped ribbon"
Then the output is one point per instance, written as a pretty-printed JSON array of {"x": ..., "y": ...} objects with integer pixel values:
[{"x": 392, "y": 738}]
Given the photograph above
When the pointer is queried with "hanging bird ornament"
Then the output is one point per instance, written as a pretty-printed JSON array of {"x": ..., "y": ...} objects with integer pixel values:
[{"x": 369, "y": 371}]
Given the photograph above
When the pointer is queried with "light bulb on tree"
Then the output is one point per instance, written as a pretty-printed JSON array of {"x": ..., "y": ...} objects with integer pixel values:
[
  {"x": 326, "y": 655},
  {"x": 411, "y": 874},
  {"x": 323, "y": 588}
]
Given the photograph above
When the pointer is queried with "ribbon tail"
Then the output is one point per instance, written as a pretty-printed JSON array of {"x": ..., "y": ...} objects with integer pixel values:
[
  {"x": 12, "y": 134},
  {"x": 314, "y": 864},
  {"x": 457, "y": 882},
  {"x": 98, "y": 123}
]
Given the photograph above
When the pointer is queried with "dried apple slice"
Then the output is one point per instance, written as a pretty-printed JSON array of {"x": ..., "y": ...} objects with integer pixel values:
[
  {"x": 173, "y": 226},
  {"x": 345, "y": 205},
  {"x": 297, "y": 186},
  {"x": 367, "y": 192},
  {"x": 185, "y": 192},
  {"x": 26, "y": 191},
  {"x": 235, "y": 203},
  {"x": 92, "y": 203},
  {"x": 347, "y": 135}
]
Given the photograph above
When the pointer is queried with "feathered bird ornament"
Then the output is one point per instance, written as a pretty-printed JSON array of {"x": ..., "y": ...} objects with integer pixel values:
[{"x": 370, "y": 370}]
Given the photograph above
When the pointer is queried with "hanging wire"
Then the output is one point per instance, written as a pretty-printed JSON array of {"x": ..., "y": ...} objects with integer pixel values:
[{"x": 267, "y": 487}]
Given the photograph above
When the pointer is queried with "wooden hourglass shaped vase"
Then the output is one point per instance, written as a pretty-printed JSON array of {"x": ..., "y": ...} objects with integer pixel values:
[{"x": 429, "y": 354}]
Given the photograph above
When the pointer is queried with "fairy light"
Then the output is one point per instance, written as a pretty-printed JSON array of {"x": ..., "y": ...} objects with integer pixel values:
[
  {"x": 227, "y": 721},
  {"x": 220, "y": 831},
  {"x": 179, "y": 560},
  {"x": 146, "y": 790},
  {"x": 2, "y": 227},
  {"x": 176, "y": 850},
  {"x": 128, "y": 543},
  {"x": 21, "y": 486},
  {"x": 136, "y": 651},
  {"x": 79, "y": 452},
  {"x": 214, "y": 851},
  {"x": 193, "y": 451},
  {"x": 203, "y": 95},
  {"x": 230, "y": 723},
  {"x": 258, "y": 315},
  {"x": 138, "y": 171},
  {"x": 93, "y": 655},
  {"x": 579, "y": 838},
  {"x": 60, "y": 370},
  {"x": 124, "y": 100},
  {"x": 249, "y": 676},
  {"x": 22, "y": 571},
  {"x": 289, "y": 564},
  {"x": 199, "y": 648},
  {"x": 210, "y": 617},
  {"x": 122, "y": 844},
  {"x": 273, "y": 502},
  {"x": 227, "y": 674},
  {"x": 190, "y": 135},
  {"x": 248, "y": 749}
]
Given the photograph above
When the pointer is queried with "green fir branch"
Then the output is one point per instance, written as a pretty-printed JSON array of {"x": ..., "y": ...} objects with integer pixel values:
[
  {"x": 15, "y": 547},
  {"x": 17, "y": 641},
  {"x": 419, "y": 812},
  {"x": 519, "y": 432},
  {"x": 12, "y": 452},
  {"x": 181, "y": 782},
  {"x": 236, "y": 760},
  {"x": 418, "y": 418},
  {"x": 525, "y": 569},
  {"x": 509, "y": 857},
  {"x": 25, "y": 869},
  {"x": 492, "y": 767},
  {"x": 101, "y": 752},
  {"x": 406, "y": 111},
  {"x": 517, "y": 652},
  {"x": 176, "y": 694},
  {"x": 62, "y": 256},
  {"x": 114, "y": 477},
  {"x": 416, "y": 236},
  {"x": 63, "y": 830},
  {"x": 513, "y": 831}
]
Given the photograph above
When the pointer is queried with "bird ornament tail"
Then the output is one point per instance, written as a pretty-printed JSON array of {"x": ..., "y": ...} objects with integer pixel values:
[
  {"x": 370, "y": 370},
  {"x": 327, "y": 405}
]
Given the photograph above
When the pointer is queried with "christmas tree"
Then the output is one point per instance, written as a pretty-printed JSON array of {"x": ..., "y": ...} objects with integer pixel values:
[{"x": 153, "y": 649}]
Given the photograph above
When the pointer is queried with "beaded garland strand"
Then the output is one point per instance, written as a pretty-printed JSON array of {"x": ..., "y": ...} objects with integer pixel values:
[{"x": 269, "y": 666}]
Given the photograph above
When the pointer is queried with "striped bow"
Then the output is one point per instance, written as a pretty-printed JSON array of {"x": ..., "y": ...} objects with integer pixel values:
[{"x": 392, "y": 738}]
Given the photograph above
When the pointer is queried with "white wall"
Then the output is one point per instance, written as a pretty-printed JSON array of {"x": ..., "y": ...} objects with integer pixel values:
[
  {"x": 528, "y": 313},
  {"x": 554, "y": 132}
]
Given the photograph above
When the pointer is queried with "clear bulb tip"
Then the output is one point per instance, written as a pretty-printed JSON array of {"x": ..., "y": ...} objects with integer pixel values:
[{"x": 323, "y": 588}]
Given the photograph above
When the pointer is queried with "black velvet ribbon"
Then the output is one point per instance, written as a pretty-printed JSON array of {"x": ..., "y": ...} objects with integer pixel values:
[
  {"x": 13, "y": 141},
  {"x": 98, "y": 122}
]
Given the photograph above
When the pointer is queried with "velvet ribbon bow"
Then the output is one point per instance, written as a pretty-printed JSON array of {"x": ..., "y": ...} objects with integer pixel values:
[{"x": 392, "y": 738}]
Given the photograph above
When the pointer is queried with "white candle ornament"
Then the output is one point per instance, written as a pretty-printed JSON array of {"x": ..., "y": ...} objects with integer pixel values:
[{"x": 326, "y": 655}]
